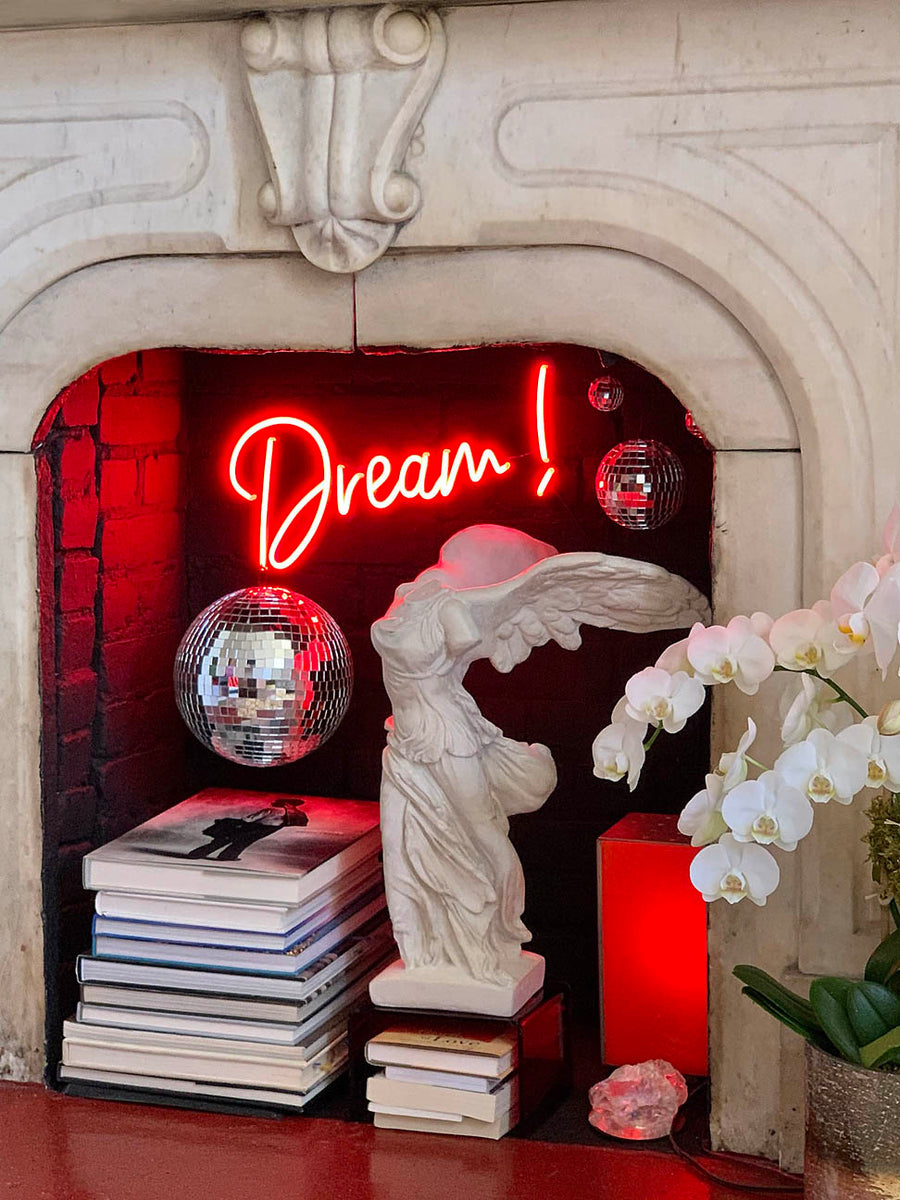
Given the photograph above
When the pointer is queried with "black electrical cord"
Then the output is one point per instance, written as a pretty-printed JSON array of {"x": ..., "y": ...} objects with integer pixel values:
[
  {"x": 793, "y": 1189},
  {"x": 788, "y": 1189}
]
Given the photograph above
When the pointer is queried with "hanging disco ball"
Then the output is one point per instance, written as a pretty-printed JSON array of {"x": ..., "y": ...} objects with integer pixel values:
[
  {"x": 263, "y": 676},
  {"x": 606, "y": 393},
  {"x": 640, "y": 484}
]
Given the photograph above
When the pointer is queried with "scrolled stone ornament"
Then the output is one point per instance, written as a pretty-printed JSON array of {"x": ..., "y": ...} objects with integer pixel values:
[{"x": 263, "y": 676}]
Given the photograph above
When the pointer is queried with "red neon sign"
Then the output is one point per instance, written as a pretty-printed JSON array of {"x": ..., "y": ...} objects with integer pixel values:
[{"x": 378, "y": 484}]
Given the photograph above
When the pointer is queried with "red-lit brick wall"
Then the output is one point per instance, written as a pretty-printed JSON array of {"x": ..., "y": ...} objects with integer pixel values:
[{"x": 116, "y": 497}]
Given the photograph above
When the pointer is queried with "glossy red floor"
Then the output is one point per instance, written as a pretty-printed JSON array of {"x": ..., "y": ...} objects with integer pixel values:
[{"x": 61, "y": 1148}]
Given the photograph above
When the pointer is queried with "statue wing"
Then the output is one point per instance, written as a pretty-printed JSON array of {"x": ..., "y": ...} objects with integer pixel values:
[{"x": 553, "y": 598}]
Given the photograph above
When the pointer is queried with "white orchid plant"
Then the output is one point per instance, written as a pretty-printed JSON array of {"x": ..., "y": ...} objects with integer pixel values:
[{"x": 832, "y": 750}]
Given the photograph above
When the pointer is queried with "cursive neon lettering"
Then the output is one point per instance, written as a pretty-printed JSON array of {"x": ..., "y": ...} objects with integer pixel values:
[
  {"x": 345, "y": 493},
  {"x": 376, "y": 484},
  {"x": 418, "y": 488}
]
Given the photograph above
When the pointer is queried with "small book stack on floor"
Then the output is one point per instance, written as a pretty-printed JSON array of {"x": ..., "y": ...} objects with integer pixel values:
[
  {"x": 233, "y": 936},
  {"x": 461, "y": 1081}
]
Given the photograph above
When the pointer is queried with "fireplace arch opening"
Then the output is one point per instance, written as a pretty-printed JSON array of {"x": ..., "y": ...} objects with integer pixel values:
[{"x": 141, "y": 527}]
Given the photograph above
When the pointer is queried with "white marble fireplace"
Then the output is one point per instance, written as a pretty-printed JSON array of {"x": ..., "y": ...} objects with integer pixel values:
[{"x": 708, "y": 187}]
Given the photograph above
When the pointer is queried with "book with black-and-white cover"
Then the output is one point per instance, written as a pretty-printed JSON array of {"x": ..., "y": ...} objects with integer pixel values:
[
  {"x": 290, "y": 962},
  {"x": 266, "y": 926},
  {"x": 367, "y": 945},
  {"x": 302, "y": 1033},
  {"x": 259, "y": 847},
  {"x": 146, "y": 1086}
]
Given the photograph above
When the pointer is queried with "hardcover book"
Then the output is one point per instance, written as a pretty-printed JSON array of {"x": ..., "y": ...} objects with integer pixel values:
[
  {"x": 223, "y": 922},
  {"x": 260, "y": 847},
  {"x": 183, "y": 1062},
  {"x": 357, "y": 953},
  {"x": 117, "y": 1085},
  {"x": 302, "y": 1033},
  {"x": 288, "y": 962},
  {"x": 465, "y": 1127},
  {"x": 472, "y": 1049},
  {"x": 419, "y": 1098}
]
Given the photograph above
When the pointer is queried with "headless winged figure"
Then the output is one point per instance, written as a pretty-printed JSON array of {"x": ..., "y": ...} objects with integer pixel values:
[{"x": 451, "y": 779}]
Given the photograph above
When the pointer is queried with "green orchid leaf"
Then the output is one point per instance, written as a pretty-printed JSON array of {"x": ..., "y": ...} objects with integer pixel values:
[
  {"x": 794, "y": 1006},
  {"x": 882, "y": 1051},
  {"x": 885, "y": 1002},
  {"x": 812, "y": 1033},
  {"x": 885, "y": 959},
  {"x": 827, "y": 996},
  {"x": 895, "y": 912},
  {"x": 866, "y": 1006}
]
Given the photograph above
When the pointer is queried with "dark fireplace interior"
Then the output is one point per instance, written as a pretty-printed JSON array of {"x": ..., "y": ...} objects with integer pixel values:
[{"x": 140, "y": 530}]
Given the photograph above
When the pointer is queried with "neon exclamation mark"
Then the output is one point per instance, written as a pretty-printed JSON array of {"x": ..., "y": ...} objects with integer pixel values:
[{"x": 541, "y": 423}]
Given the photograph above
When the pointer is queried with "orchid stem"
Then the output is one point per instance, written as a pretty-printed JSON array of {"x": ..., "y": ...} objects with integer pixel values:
[
  {"x": 653, "y": 736},
  {"x": 757, "y": 763},
  {"x": 835, "y": 687}
]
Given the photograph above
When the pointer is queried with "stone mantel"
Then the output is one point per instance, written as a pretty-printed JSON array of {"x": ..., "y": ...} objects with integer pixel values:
[
  {"x": 24, "y": 14},
  {"x": 709, "y": 187}
]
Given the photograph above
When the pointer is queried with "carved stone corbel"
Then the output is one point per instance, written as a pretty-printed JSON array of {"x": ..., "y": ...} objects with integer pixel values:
[{"x": 338, "y": 96}]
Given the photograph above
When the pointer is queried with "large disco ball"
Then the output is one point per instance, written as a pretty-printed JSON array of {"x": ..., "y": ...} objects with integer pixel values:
[
  {"x": 640, "y": 484},
  {"x": 263, "y": 676}
]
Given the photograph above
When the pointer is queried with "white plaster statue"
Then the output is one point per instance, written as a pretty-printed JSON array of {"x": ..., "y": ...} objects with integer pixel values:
[{"x": 451, "y": 779}]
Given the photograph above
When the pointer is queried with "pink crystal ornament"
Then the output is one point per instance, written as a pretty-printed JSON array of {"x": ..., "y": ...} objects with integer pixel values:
[{"x": 638, "y": 1101}]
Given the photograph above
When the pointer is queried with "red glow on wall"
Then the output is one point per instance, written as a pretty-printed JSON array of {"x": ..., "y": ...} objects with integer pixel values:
[
  {"x": 653, "y": 958},
  {"x": 378, "y": 484}
]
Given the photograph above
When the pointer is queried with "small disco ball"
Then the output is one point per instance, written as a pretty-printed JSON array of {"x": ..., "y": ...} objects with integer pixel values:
[
  {"x": 606, "y": 393},
  {"x": 640, "y": 484},
  {"x": 263, "y": 676}
]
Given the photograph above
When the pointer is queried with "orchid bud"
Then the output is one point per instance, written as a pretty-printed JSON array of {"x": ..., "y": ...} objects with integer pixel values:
[{"x": 888, "y": 720}]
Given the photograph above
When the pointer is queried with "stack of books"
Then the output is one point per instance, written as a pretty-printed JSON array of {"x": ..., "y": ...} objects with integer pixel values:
[
  {"x": 233, "y": 936},
  {"x": 460, "y": 1080}
]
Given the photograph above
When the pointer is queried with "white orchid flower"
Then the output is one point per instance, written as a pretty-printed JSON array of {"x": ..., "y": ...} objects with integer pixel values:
[
  {"x": 732, "y": 768},
  {"x": 731, "y": 653},
  {"x": 731, "y": 870},
  {"x": 762, "y": 624},
  {"x": 866, "y": 609},
  {"x": 701, "y": 818},
  {"x": 823, "y": 768},
  {"x": 800, "y": 638},
  {"x": 674, "y": 658},
  {"x": 882, "y": 753},
  {"x": 888, "y": 720},
  {"x": 655, "y": 696},
  {"x": 811, "y": 706},
  {"x": 618, "y": 750},
  {"x": 768, "y": 811}
]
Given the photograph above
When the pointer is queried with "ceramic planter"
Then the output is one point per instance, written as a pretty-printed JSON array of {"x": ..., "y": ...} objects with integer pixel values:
[{"x": 852, "y": 1131}]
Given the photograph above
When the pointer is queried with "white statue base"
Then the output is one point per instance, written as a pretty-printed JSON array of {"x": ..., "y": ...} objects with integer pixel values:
[{"x": 448, "y": 988}]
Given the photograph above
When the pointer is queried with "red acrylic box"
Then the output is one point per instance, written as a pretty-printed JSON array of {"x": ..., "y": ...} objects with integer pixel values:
[{"x": 653, "y": 960}]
